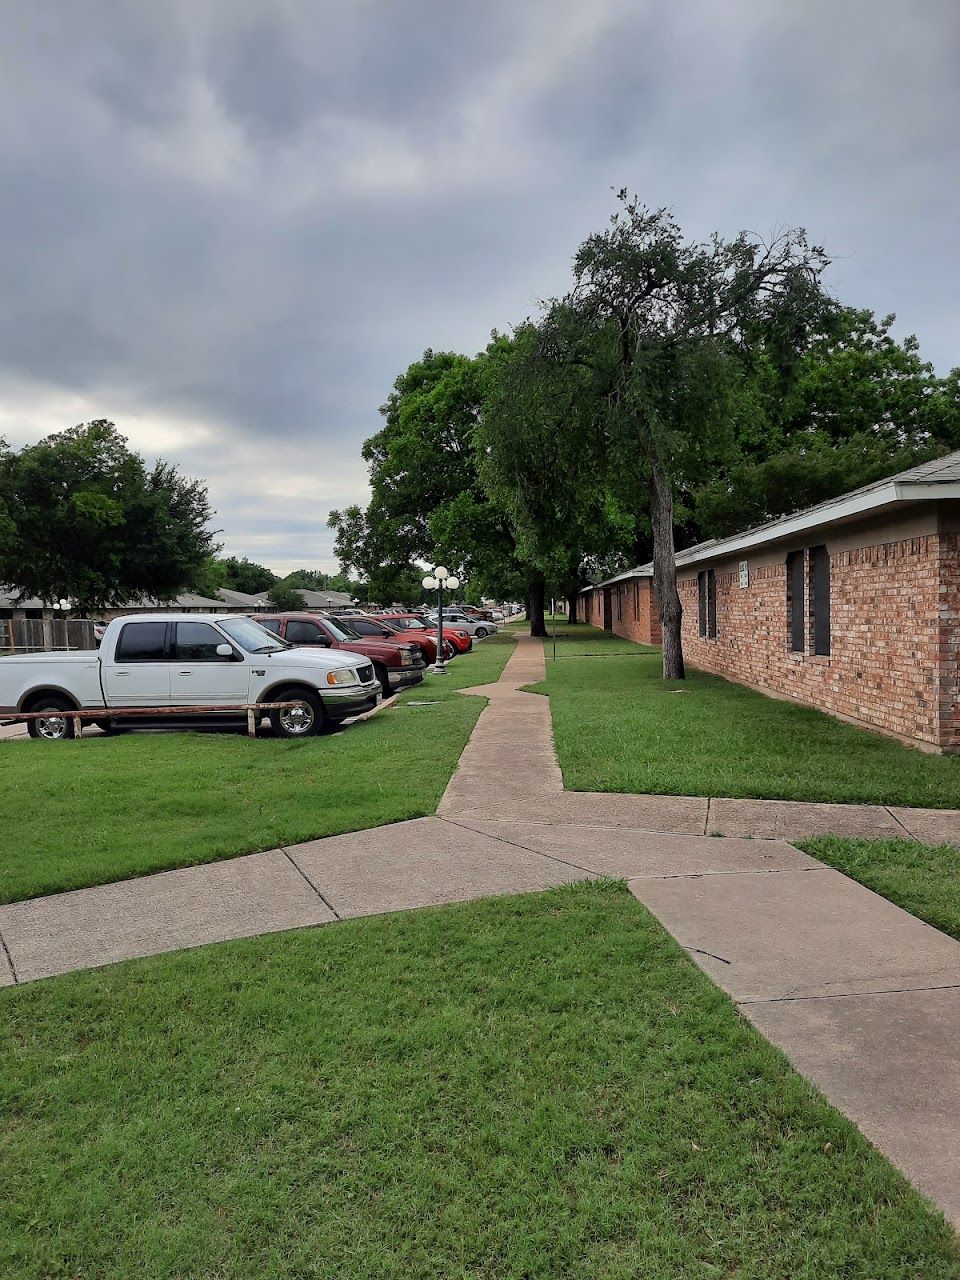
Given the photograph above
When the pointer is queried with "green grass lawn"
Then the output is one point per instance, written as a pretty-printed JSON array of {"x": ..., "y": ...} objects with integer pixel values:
[
  {"x": 541, "y": 1087},
  {"x": 924, "y": 880},
  {"x": 620, "y": 727},
  {"x": 105, "y": 809}
]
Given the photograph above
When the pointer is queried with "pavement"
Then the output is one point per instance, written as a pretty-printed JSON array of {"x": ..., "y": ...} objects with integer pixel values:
[{"x": 862, "y": 997}]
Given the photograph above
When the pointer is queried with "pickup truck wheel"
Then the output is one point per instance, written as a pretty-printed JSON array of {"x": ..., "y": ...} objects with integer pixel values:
[
  {"x": 381, "y": 674},
  {"x": 296, "y": 722},
  {"x": 481, "y": 633},
  {"x": 56, "y": 725}
]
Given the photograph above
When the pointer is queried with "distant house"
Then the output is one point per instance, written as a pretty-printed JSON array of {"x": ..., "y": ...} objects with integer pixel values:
[
  {"x": 317, "y": 601},
  {"x": 852, "y": 606},
  {"x": 240, "y": 601}
]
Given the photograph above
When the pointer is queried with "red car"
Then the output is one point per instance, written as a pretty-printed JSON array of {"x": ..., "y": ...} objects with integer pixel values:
[
  {"x": 397, "y": 664},
  {"x": 379, "y": 624},
  {"x": 461, "y": 640}
]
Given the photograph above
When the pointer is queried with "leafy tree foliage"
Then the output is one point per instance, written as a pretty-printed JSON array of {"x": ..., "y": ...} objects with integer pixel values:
[
  {"x": 284, "y": 598},
  {"x": 427, "y": 499},
  {"x": 663, "y": 324},
  {"x": 854, "y": 406},
  {"x": 246, "y": 575},
  {"x": 91, "y": 522}
]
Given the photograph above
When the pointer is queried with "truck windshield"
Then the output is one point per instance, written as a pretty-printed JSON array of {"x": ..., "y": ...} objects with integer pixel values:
[{"x": 251, "y": 636}]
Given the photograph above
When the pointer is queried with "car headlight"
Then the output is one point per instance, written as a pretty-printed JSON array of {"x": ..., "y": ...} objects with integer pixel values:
[
  {"x": 407, "y": 658},
  {"x": 342, "y": 675}
]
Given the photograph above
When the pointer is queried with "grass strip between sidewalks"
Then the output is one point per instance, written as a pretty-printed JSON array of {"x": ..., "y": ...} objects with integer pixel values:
[
  {"x": 101, "y": 809},
  {"x": 619, "y": 726}
]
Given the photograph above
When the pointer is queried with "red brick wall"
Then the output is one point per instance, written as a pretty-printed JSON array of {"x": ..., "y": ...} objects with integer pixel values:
[
  {"x": 948, "y": 645},
  {"x": 633, "y": 613},
  {"x": 893, "y": 635}
]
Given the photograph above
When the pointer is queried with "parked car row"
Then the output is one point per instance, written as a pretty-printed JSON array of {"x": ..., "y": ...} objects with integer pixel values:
[{"x": 332, "y": 668}]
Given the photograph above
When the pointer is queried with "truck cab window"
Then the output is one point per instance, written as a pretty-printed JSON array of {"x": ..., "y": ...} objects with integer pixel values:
[
  {"x": 142, "y": 642},
  {"x": 197, "y": 642}
]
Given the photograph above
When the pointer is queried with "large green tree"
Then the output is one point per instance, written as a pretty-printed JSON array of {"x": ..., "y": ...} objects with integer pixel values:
[
  {"x": 539, "y": 456},
  {"x": 93, "y": 523},
  {"x": 853, "y": 406},
  {"x": 426, "y": 499},
  {"x": 664, "y": 324}
]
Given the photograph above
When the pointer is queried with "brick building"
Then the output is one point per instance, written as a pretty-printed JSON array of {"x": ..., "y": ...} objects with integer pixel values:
[{"x": 852, "y": 606}]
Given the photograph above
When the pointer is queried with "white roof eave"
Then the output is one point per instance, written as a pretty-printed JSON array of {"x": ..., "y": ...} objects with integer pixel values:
[{"x": 882, "y": 498}]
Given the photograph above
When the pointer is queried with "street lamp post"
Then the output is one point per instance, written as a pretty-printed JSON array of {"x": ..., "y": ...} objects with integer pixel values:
[
  {"x": 436, "y": 579},
  {"x": 62, "y": 606}
]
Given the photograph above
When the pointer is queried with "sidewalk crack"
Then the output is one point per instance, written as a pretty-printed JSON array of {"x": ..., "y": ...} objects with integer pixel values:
[
  {"x": 13, "y": 967},
  {"x": 296, "y": 866},
  {"x": 564, "y": 862},
  {"x": 847, "y": 995},
  {"x": 902, "y": 825}
]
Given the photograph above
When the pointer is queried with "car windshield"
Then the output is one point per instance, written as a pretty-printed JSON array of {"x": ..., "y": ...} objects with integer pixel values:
[
  {"x": 341, "y": 629},
  {"x": 249, "y": 635}
]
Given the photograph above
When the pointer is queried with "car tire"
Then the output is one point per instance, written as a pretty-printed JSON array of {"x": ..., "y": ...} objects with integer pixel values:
[
  {"x": 59, "y": 727},
  {"x": 481, "y": 633},
  {"x": 292, "y": 722},
  {"x": 381, "y": 673}
]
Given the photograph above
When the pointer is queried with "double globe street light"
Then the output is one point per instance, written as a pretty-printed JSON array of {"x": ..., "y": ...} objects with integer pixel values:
[{"x": 436, "y": 580}]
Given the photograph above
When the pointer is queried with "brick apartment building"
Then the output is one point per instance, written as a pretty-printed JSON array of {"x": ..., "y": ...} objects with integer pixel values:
[{"x": 852, "y": 606}]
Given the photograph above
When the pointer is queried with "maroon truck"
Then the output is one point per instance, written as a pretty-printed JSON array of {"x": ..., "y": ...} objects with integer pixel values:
[{"x": 396, "y": 663}]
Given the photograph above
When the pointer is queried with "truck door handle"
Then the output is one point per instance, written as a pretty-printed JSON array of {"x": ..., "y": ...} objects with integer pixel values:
[
  {"x": 185, "y": 673},
  {"x": 118, "y": 674}
]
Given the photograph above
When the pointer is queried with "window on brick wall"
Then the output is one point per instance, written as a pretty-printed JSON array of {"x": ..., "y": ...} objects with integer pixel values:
[
  {"x": 795, "y": 615},
  {"x": 620, "y": 591},
  {"x": 820, "y": 593},
  {"x": 707, "y": 603},
  {"x": 636, "y": 600}
]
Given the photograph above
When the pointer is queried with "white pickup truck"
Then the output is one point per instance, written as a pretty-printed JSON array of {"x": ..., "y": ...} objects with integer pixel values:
[{"x": 187, "y": 660}]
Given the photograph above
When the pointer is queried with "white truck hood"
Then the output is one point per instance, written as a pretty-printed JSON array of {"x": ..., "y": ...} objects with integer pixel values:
[{"x": 311, "y": 656}]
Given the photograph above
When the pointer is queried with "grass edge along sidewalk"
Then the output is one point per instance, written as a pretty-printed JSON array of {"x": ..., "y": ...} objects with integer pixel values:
[
  {"x": 105, "y": 809},
  {"x": 618, "y": 726},
  {"x": 539, "y": 1085}
]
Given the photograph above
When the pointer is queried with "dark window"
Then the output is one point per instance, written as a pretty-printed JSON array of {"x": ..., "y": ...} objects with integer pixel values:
[
  {"x": 636, "y": 600},
  {"x": 707, "y": 603},
  {"x": 197, "y": 642},
  {"x": 364, "y": 628},
  {"x": 795, "y": 601},
  {"x": 820, "y": 590},
  {"x": 620, "y": 604},
  {"x": 142, "y": 642},
  {"x": 271, "y": 624},
  {"x": 711, "y": 605},
  {"x": 299, "y": 632}
]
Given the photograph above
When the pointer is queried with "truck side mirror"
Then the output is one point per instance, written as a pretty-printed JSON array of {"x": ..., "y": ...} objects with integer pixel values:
[{"x": 224, "y": 651}]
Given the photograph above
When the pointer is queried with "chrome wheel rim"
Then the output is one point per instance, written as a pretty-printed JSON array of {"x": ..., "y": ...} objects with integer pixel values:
[
  {"x": 52, "y": 727},
  {"x": 297, "y": 720}
]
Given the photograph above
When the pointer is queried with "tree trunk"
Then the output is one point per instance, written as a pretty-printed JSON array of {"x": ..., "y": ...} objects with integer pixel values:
[
  {"x": 573, "y": 603},
  {"x": 665, "y": 570},
  {"x": 537, "y": 600}
]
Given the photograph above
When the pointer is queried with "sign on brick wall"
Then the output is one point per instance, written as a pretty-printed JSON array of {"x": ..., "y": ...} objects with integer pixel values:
[{"x": 744, "y": 574}]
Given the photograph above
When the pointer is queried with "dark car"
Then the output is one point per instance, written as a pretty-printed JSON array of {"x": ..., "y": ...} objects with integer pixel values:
[{"x": 397, "y": 664}]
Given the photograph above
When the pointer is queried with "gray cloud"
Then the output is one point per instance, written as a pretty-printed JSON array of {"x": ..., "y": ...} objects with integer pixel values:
[{"x": 229, "y": 226}]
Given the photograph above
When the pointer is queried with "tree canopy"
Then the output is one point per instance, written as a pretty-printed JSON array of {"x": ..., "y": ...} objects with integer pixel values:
[{"x": 88, "y": 520}]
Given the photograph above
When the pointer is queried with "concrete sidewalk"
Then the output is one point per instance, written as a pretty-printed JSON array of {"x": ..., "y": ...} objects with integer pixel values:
[{"x": 861, "y": 996}]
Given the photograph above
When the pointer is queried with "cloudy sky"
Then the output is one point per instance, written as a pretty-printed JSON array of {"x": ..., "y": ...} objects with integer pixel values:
[{"x": 228, "y": 224}]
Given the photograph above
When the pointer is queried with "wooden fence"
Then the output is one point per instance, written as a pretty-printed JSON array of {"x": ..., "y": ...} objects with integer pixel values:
[{"x": 45, "y": 635}]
